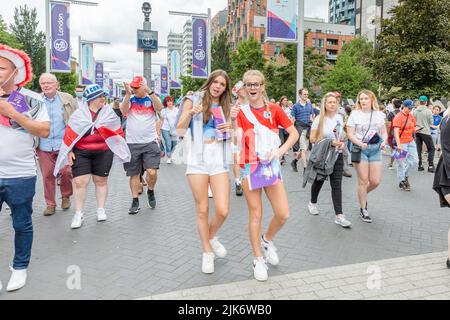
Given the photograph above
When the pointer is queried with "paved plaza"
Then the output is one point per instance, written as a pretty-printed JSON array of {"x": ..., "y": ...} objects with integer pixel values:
[{"x": 157, "y": 252}]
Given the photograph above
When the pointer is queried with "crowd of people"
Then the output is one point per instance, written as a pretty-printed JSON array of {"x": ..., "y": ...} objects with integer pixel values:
[{"x": 224, "y": 128}]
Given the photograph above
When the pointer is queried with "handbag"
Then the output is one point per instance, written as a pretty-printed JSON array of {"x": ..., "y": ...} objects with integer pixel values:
[{"x": 356, "y": 150}]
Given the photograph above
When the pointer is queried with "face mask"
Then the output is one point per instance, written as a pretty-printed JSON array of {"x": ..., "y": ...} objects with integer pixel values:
[{"x": 79, "y": 94}]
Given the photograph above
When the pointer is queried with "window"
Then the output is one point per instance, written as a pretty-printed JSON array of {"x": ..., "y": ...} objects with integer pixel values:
[{"x": 262, "y": 38}]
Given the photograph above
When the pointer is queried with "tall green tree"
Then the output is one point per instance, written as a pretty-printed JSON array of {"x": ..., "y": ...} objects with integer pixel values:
[
  {"x": 6, "y": 37},
  {"x": 25, "y": 31},
  {"x": 190, "y": 83},
  {"x": 413, "y": 49},
  {"x": 220, "y": 52},
  {"x": 248, "y": 56},
  {"x": 353, "y": 71},
  {"x": 282, "y": 80}
]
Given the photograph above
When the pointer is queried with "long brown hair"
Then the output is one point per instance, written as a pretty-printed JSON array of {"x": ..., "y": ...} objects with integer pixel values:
[{"x": 225, "y": 98}]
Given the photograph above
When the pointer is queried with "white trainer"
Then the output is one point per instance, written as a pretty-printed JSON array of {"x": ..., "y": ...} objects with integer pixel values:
[
  {"x": 208, "y": 262},
  {"x": 270, "y": 251},
  {"x": 101, "y": 215},
  {"x": 341, "y": 220},
  {"x": 313, "y": 209},
  {"x": 210, "y": 194},
  {"x": 77, "y": 220},
  {"x": 17, "y": 280},
  {"x": 218, "y": 248},
  {"x": 169, "y": 161},
  {"x": 260, "y": 269}
]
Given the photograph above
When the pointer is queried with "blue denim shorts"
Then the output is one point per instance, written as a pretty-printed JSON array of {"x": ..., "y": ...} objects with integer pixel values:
[{"x": 372, "y": 153}]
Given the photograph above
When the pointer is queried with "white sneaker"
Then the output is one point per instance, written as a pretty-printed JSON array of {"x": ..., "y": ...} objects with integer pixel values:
[
  {"x": 101, "y": 215},
  {"x": 77, "y": 220},
  {"x": 218, "y": 248},
  {"x": 260, "y": 269},
  {"x": 341, "y": 220},
  {"x": 270, "y": 251},
  {"x": 208, "y": 262},
  {"x": 169, "y": 161},
  {"x": 17, "y": 280},
  {"x": 1, "y": 287},
  {"x": 313, "y": 209}
]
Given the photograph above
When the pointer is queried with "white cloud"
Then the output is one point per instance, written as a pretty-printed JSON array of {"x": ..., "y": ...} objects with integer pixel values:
[{"x": 116, "y": 21}]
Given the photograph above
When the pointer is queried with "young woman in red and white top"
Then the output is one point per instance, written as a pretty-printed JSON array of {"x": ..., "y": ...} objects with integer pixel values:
[{"x": 270, "y": 116}]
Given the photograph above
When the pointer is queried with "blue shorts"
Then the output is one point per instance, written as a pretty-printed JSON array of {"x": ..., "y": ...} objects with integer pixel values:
[{"x": 372, "y": 153}]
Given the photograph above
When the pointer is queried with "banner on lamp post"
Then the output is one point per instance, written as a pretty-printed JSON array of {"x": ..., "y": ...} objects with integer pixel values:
[
  {"x": 60, "y": 36},
  {"x": 199, "y": 48},
  {"x": 164, "y": 80},
  {"x": 175, "y": 71},
  {"x": 87, "y": 63},
  {"x": 281, "y": 24},
  {"x": 99, "y": 74}
]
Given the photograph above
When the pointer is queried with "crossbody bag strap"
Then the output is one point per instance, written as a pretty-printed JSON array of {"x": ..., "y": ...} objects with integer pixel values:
[
  {"x": 404, "y": 127},
  {"x": 368, "y": 129}
]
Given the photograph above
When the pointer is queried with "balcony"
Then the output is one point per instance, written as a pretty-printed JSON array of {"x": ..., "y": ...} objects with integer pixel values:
[{"x": 332, "y": 57}]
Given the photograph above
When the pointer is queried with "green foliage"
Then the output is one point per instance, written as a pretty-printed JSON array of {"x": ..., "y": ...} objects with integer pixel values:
[
  {"x": 220, "y": 52},
  {"x": 248, "y": 56},
  {"x": 413, "y": 50},
  {"x": 190, "y": 83},
  {"x": 282, "y": 80},
  {"x": 67, "y": 82},
  {"x": 25, "y": 31},
  {"x": 352, "y": 71},
  {"x": 6, "y": 37}
]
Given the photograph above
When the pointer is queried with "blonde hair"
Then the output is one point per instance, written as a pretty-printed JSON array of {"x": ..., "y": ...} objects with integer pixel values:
[
  {"x": 371, "y": 96},
  {"x": 322, "y": 114},
  {"x": 225, "y": 98}
]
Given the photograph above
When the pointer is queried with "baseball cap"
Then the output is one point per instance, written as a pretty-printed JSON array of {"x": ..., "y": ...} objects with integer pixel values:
[
  {"x": 138, "y": 81},
  {"x": 238, "y": 86},
  {"x": 93, "y": 91},
  {"x": 423, "y": 99},
  {"x": 408, "y": 103}
]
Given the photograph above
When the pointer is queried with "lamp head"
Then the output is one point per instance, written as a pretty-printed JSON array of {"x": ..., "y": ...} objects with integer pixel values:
[{"x": 146, "y": 10}]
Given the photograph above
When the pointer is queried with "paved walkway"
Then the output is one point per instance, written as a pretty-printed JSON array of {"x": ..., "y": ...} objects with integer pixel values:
[
  {"x": 158, "y": 251},
  {"x": 415, "y": 277}
]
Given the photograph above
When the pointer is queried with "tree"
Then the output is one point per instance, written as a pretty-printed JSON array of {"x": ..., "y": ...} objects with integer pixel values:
[
  {"x": 67, "y": 82},
  {"x": 248, "y": 56},
  {"x": 281, "y": 75},
  {"x": 413, "y": 50},
  {"x": 25, "y": 31},
  {"x": 220, "y": 52},
  {"x": 190, "y": 83},
  {"x": 6, "y": 37},
  {"x": 353, "y": 71}
]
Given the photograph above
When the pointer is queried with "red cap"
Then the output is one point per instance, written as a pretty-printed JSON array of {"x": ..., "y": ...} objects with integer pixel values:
[
  {"x": 337, "y": 94},
  {"x": 138, "y": 81}
]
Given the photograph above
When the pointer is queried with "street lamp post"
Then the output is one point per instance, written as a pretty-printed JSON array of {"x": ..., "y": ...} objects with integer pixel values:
[
  {"x": 300, "y": 43},
  {"x": 147, "y": 10},
  {"x": 208, "y": 30},
  {"x": 80, "y": 55},
  {"x": 47, "y": 27}
]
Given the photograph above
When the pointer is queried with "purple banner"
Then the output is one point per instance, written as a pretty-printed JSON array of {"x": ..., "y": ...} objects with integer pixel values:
[
  {"x": 99, "y": 74},
  {"x": 164, "y": 80},
  {"x": 199, "y": 48},
  {"x": 60, "y": 37},
  {"x": 111, "y": 88}
]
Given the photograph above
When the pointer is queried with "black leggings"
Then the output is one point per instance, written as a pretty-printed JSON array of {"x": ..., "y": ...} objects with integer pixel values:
[{"x": 336, "y": 186}]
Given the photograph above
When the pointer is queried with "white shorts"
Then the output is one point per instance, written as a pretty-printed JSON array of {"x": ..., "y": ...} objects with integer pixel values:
[
  {"x": 212, "y": 163},
  {"x": 304, "y": 141}
]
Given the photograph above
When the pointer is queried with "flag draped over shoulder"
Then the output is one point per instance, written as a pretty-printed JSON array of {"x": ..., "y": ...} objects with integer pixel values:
[{"x": 108, "y": 126}]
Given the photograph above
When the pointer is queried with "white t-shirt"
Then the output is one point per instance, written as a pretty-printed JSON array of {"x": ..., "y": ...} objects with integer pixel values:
[
  {"x": 141, "y": 121},
  {"x": 332, "y": 127},
  {"x": 17, "y": 150},
  {"x": 170, "y": 117},
  {"x": 360, "y": 121}
]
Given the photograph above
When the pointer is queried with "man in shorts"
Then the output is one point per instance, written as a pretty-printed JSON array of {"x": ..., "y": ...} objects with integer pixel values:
[{"x": 142, "y": 138}]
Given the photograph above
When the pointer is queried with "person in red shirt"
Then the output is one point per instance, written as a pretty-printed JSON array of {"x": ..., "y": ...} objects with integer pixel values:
[
  {"x": 91, "y": 156},
  {"x": 270, "y": 116},
  {"x": 405, "y": 126}
]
